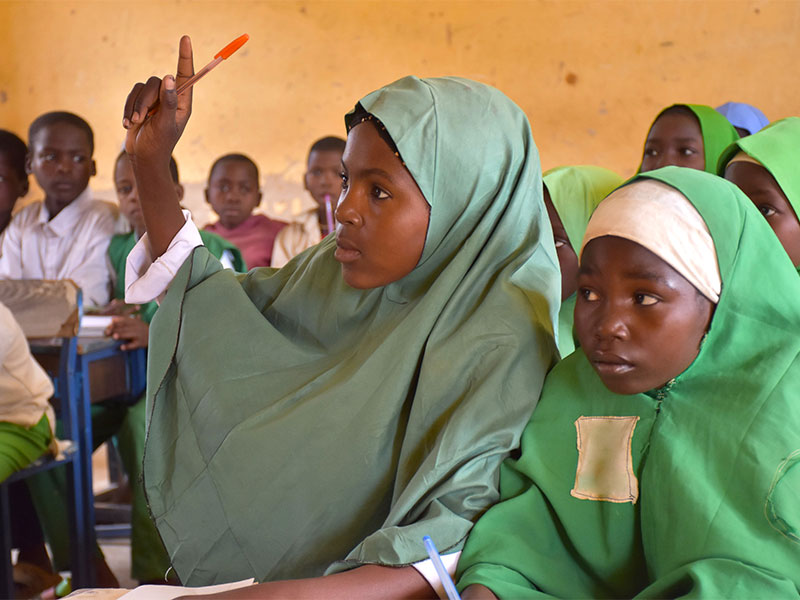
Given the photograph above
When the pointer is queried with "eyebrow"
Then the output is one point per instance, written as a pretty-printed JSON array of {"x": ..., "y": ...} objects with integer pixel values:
[
  {"x": 649, "y": 276},
  {"x": 370, "y": 171}
]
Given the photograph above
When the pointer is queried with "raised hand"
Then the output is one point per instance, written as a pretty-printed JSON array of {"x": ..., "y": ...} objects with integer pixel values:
[{"x": 155, "y": 116}]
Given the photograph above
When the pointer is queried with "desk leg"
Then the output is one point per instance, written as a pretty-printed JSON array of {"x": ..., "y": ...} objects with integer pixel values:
[{"x": 83, "y": 564}]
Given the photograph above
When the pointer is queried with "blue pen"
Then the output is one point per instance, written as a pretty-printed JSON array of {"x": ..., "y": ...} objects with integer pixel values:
[{"x": 447, "y": 582}]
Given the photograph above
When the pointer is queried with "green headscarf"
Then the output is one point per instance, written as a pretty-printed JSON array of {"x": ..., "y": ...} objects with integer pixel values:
[
  {"x": 777, "y": 148},
  {"x": 575, "y": 193},
  {"x": 717, "y": 132},
  {"x": 298, "y": 426},
  {"x": 716, "y": 452}
]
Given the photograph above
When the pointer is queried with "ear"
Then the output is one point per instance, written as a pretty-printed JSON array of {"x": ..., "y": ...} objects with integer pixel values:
[
  {"x": 24, "y": 187},
  {"x": 259, "y": 198},
  {"x": 180, "y": 191},
  {"x": 29, "y": 163},
  {"x": 305, "y": 182},
  {"x": 205, "y": 192},
  {"x": 94, "y": 169}
]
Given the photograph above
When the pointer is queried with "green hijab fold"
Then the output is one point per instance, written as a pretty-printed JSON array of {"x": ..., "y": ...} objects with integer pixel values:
[
  {"x": 777, "y": 148},
  {"x": 575, "y": 192},
  {"x": 715, "y": 453},
  {"x": 297, "y": 426}
]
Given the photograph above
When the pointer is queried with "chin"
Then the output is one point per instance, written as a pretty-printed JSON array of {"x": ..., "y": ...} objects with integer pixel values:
[{"x": 624, "y": 386}]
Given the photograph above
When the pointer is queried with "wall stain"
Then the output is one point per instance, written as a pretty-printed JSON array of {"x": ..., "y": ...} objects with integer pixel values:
[{"x": 571, "y": 78}]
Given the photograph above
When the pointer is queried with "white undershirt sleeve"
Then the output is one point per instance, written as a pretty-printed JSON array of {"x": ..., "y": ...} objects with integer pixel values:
[
  {"x": 147, "y": 280},
  {"x": 427, "y": 570}
]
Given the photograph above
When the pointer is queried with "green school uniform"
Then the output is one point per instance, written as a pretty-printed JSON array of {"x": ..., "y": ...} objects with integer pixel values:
[
  {"x": 717, "y": 132},
  {"x": 310, "y": 427},
  {"x": 122, "y": 244},
  {"x": 687, "y": 490},
  {"x": 575, "y": 193},
  {"x": 777, "y": 148}
]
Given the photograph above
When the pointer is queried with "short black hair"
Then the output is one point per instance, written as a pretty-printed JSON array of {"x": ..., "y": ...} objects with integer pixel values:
[
  {"x": 327, "y": 144},
  {"x": 173, "y": 166},
  {"x": 15, "y": 150},
  {"x": 60, "y": 116},
  {"x": 234, "y": 158}
]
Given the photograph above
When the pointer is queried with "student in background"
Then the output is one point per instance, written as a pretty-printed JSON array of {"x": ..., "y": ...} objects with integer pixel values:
[
  {"x": 766, "y": 167},
  {"x": 26, "y": 432},
  {"x": 233, "y": 192},
  {"x": 687, "y": 135},
  {"x": 13, "y": 177},
  {"x": 121, "y": 244},
  {"x": 683, "y": 401},
  {"x": 66, "y": 235},
  {"x": 323, "y": 180},
  {"x": 747, "y": 119},
  {"x": 571, "y": 194},
  {"x": 364, "y": 395}
]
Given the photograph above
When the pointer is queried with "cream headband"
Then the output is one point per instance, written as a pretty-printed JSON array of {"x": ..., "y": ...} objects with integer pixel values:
[
  {"x": 742, "y": 156},
  {"x": 660, "y": 218}
]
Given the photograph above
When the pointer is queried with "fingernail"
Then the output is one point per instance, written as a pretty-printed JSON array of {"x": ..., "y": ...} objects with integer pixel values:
[
  {"x": 126, "y": 122},
  {"x": 135, "y": 117},
  {"x": 169, "y": 83}
]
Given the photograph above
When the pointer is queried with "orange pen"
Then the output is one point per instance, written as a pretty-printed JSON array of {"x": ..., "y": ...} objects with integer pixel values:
[{"x": 218, "y": 58}]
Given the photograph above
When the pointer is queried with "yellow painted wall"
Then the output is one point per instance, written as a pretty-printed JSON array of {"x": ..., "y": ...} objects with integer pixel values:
[{"x": 591, "y": 74}]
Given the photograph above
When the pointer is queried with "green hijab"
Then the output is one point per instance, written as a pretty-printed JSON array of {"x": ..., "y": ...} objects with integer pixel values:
[
  {"x": 298, "y": 426},
  {"x": 575, "y": 193},
  {"x": 777, "y": 148},
  {"x": 716, "y": 452},
  {"x": 717, "y": 132}
]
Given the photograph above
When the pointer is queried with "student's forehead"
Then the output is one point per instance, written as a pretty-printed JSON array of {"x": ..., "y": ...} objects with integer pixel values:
[
  {"x": 325, "y": 157},
  {"x": 675, "y": 125},
  {"x": 229, "y": 169},
  {"x": 62, "y": 135}
]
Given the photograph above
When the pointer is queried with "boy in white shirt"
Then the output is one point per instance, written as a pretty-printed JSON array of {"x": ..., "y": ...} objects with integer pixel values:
[{"x": 66, "y": 235}]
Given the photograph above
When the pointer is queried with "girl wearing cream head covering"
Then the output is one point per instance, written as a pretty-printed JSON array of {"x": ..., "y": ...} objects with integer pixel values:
[{"x": 692, "y": 488}]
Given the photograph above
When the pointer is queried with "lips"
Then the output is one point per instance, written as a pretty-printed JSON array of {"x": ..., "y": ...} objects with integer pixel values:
[
  {"x": 607, "y": 363},
  {"x": 346, "y": 251}
]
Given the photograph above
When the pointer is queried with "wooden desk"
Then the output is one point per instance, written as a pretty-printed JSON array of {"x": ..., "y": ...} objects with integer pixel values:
[{"x": 113, "y": 374}]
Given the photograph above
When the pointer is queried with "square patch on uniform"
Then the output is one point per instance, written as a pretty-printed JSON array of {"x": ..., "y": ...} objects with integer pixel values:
[{"x": 605, "y": 465}]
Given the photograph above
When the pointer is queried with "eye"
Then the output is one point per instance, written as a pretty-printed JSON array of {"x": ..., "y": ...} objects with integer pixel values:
[
  {"x": 78, "y": 158},
  {"x": 124, "y": 190},
  {"x": 766, "y": 210},
  {"x": 688, "y": 151},
  {"x": 343, "y": 175},
  {"x": 560, "y": 244},
  {"x": 650, "y": 152},
  {"x": 379, "y": 194},
  {"x": 588, "y": 295},
  {"x": 645, "y": 299},
  {"x": 49, "y": 156}
]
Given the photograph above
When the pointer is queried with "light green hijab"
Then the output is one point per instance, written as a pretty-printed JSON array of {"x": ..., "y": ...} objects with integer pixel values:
[
  {"x": 575, "y": 193},
  {"x": 777, "y": 148},
  {"x": 717, "y": 132},
  {"x": 298, "y": 426},
  {"x": 716, "y": 452}
]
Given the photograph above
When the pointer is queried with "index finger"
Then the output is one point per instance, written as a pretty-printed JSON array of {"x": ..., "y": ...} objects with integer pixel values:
[{"x": 185, "y": 71}]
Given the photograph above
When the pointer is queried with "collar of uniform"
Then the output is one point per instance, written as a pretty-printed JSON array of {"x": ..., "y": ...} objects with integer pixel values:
[{"x": 64, "y": 222}]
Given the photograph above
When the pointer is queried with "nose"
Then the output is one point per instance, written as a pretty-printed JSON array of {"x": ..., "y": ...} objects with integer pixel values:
[
  {"x": 64, "y": 165},
  {"x": 610, "y": 323},
  {"x": 347, "y": 211}
]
